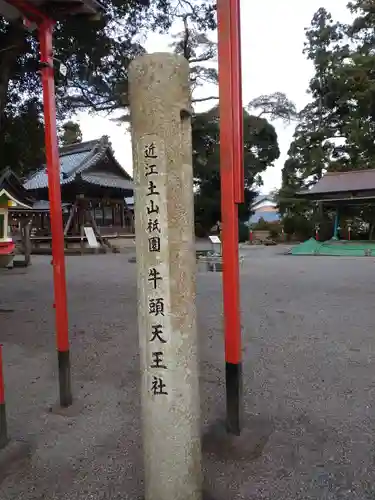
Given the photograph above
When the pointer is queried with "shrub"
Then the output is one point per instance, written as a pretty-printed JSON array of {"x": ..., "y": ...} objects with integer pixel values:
[
  {"x": 243, "y": 232},
  {"x": 274, "y": 232},
  {"x": 298, "y": 226},
  {"x": 200, "y": 231},
  {"x": 261, "y": 225}
]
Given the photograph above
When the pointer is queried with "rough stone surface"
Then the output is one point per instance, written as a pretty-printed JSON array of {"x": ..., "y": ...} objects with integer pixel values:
[
  {"x": 159, "y": 94},
  {"x": 11, "y": 457},
  {"x": 69, "y": 411},
  {"x": 249, "y": 446},
  {"x": 308, "y": 361}
]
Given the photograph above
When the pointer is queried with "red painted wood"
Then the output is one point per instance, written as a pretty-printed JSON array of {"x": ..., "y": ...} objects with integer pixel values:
[
  {"x": 53, "y": 170},
  {"x": 7, "y": 248},
  {"x": 229, "y": 209},
  {"x": 237, "y": 109}
]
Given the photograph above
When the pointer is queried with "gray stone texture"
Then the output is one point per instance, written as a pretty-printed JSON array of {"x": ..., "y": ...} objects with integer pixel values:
[
  {"x": 159, "y": 102},
  {"x": 12, "y": 457}
]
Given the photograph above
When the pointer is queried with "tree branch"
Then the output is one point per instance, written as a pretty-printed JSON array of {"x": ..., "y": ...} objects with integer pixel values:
[
  {"x": 204, "y": 58},
  {"x": 186, "y": 49},
  {"x": 203, "y": 99}
]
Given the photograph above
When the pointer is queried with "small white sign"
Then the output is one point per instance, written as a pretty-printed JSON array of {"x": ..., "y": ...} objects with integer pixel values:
[
  {"x": 63, "y": 69},
  {"x": 91, "y": 238},
  {"x": 215, "y": 240}
]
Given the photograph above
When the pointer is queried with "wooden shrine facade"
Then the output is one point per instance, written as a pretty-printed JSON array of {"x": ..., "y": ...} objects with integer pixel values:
[
  {"x": 93, "y": 191},
  {"x": 15, "y": 218},
  {"x": 347, "y": 187},
  {"x": 341, "y": 192}
]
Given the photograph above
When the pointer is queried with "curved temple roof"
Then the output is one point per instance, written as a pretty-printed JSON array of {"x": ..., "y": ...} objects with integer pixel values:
[
  {"x": 11, "y": 186},
  {"x": 55, "y": 9},
  {"x": 342, "y": 185},
  {"x": 80, "y": 162}
]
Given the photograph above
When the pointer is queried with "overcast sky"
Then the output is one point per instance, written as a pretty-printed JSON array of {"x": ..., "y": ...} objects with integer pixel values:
[{"x": 272, "y": 44}]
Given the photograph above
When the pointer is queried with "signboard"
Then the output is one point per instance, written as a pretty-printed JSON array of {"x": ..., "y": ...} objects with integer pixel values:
[
  {"x": 215, "y": 240},
  {"x": 91, "y": 238}
]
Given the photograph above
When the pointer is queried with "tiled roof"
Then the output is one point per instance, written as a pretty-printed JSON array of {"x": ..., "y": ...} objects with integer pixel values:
[
  {"x": 108, "y": 181},
  {"x": 78, "y": 159},
  {"x": 10, "y": 182},
  {"x": 343, "y": 182},
  {"x": 262, "y": 197},
  {"x": 56, "y": 9}
]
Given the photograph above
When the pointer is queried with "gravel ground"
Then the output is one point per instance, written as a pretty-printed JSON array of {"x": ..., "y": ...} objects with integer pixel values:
[{"x": 309, "y": 364}]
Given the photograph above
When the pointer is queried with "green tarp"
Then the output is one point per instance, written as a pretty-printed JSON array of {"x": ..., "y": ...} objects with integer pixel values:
[{"x": 341, "y": 248}]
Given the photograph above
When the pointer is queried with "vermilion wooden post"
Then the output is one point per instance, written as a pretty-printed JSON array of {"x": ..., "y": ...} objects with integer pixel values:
[
  {"x": 237, "y": 109},
  {"x": 35, "y": 16},
  {"x": 229, "y": 215},
  {"x": 54, "y": 188}
]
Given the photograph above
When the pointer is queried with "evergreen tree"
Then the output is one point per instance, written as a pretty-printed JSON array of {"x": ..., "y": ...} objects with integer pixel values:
[
  {"x": 336, "y": 129},
  {"x": 97, "y": 55},
  {"x": 261, "y": 149},
  {"x": 70, "y": 133}
]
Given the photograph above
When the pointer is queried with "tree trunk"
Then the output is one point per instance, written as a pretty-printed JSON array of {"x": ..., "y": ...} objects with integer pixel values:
[
  {"x": 12, "y": 48},
  {"x": 371, "y": 232}
]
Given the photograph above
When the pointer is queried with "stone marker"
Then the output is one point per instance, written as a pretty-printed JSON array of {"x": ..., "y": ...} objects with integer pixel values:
[{"x": 164, "y": 217}]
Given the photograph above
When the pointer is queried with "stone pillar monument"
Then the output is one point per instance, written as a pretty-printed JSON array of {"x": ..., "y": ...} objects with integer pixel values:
[{"x": 164, "y": 218}]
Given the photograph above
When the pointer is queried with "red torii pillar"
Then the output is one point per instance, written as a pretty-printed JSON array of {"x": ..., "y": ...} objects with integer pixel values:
[
  {"x": 45, "y": 27},
  {"x": 53, "y": 169},
  {"x": 232, "y": 193}
]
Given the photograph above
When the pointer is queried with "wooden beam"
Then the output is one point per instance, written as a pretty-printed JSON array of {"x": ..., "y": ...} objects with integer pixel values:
[
  {"x": 96, "y": 229},
  {"x": 70, "y": 220}
]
